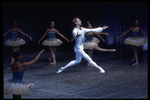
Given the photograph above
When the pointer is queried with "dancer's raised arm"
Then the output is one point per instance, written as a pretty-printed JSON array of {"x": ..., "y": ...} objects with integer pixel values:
[
  {"x": 24, "y": 34},
  {"x": 99, "y": 29},
  {"x": 34, "y": 60}
]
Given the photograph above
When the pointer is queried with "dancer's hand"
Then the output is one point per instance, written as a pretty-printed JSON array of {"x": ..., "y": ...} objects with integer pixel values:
[
  {"x": 38, "y": 43},
  {"x": 117, "y": 39},
  {"x": 106, "y": 34},
  {"x": 71, "y": 40},
  {"x": 41, "y": 51},
  {"x": 78, "y": 35},
  {"x": 30, "y": 38},
  {"x": 103, "y": 40},
  {"x": 105, "y": 27},
  {"x": 12, "y": 59},
  {"x": 68, "y": 41}
]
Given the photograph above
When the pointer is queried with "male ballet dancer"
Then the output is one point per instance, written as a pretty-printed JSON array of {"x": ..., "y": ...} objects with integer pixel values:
[{"x": 78, "y": 34}]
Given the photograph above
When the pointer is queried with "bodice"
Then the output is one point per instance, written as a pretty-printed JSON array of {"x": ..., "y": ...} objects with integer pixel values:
[
  {"x": 135, "y": 33},
  {"x": 51, "y": 35},
  {"x": 17, "y": 77},
  {"x": 14, "y": 35},
  {"x": 88, "y": 38}
]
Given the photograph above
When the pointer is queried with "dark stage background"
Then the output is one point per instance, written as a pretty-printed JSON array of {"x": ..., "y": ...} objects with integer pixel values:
[{"x": 34, "y": 18}]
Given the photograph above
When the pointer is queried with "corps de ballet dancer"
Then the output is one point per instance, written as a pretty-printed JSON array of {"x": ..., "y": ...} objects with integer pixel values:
[
  {"x": 52, "y": 41},
  {"x": 15, "y": 41},
  {"x": 78, "y": 34},
  {"x": 92, "y": 42},
  {"x": 15, "y": 85},
  {"x": 135, "y": 40}
]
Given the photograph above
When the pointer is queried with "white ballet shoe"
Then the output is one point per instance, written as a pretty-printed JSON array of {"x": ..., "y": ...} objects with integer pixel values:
[
  {"x": 53, "y": 63},
  {"x": 102, "y": 70},
  {"x": 60, "y": 70}
]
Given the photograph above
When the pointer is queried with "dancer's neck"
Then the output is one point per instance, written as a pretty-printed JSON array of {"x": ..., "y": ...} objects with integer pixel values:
[{"x": 78, "y": 27}]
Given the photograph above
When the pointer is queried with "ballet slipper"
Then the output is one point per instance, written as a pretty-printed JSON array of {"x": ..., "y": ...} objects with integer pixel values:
[
  {"x": 54, "y": 63},
  {"x": 136, "y": 64},
  {"x": 102, "y": 70}
]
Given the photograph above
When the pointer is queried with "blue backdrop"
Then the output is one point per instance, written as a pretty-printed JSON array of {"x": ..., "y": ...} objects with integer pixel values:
[{"x": 34, "y": 18}]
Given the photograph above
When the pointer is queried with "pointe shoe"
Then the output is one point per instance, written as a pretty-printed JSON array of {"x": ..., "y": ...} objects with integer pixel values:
[
  {"x": 54, "y": 63},
  {"x": 60, "y": 70},
  {"x": 102, "y": 70},
  {"x": 136, "y": 64}
]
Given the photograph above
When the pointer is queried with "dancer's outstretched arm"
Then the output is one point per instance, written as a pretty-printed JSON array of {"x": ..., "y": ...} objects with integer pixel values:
[
  {"x": 123, "y": 34},
  {"x": 99, "y": 29},
  {"x": 62, "y": 36},
  {"x": 7, "y": 32},
  {"x": 25, "y": 34},
  {"x": 32, "y": 61},
  {"x": 143, "y": 32},
  {"x": 101, "y": 37}
]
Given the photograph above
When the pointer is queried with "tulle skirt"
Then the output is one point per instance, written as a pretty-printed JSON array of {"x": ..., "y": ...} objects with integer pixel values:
[
  {"x": 52, "y": 42},
  {"x": 138, "y": 41},
  {"x": 17, "y": 42},
  {"x": 17, "y": 88},
  {"x": 91, "y": 45}
]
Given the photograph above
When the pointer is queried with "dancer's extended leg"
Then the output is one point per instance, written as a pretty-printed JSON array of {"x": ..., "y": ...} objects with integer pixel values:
[
  {"x": 86, "y": 57},
  {"x": 79, "y": 55},
  {"x": 101, "y": 49},
  {"x": 78, "y": 60},
  {"x": 135, "y": 55},
  {"x": 53, "y": 50}
]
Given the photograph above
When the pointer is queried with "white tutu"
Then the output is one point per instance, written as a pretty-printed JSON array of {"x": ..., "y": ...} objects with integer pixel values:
[
  {"x": 134, "y": 41},
  {"x": 96, "y": 40},
  {"x": 16, "y": 88},
  {"x": 53, "y": 42},
  {"x": 14, "y": 43},
  {"x": 91, "y": 45}
]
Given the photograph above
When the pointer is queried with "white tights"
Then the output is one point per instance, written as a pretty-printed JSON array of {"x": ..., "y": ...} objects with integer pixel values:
[{"x": 79, "y": 54}]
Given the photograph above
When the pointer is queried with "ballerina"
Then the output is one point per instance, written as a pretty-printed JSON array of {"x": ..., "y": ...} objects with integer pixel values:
[
  {"x": 15, "y": 41},
  {"x": 78, "y": 34},
  {"x": 92, "y": 42},
  {"x": 15, "y": 86},
  {"x": 135, "y": 40},
  {"x": 52, "y": 41}
]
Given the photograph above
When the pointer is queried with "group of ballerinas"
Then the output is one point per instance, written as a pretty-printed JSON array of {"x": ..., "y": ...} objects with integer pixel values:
[{"x": 83, "y": 40}]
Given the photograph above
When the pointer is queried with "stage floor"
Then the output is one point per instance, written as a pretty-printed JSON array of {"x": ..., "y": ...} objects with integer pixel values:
[{"x": 121, "y": 80}]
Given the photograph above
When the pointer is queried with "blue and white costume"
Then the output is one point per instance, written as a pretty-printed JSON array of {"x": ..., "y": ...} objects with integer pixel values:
[
  {"x": 15, "y": 86},
  {"x": 135, "y": 39},
  {"x": 52, "y": 40},
  {"x": 14, "y": 40},
  {"x": 90, "y": 42}
]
